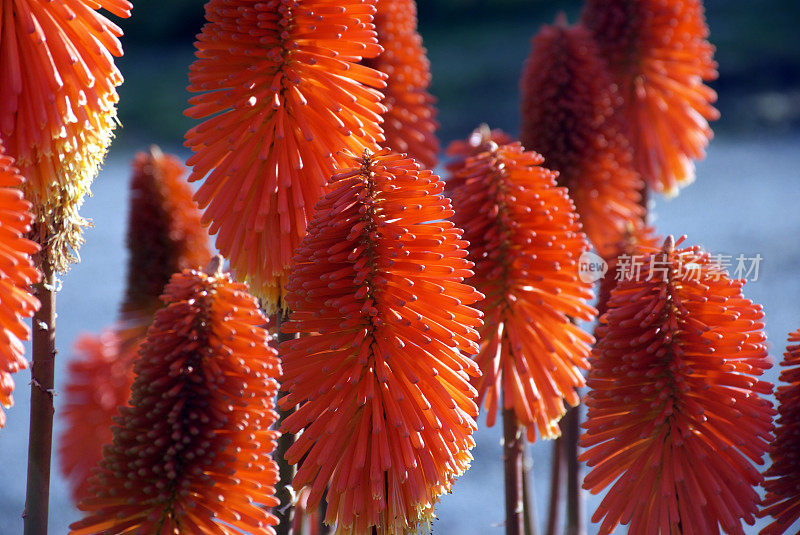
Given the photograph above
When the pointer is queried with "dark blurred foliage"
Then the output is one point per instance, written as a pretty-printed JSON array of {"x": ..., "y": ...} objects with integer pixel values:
[{"x": 477, "y": 48}]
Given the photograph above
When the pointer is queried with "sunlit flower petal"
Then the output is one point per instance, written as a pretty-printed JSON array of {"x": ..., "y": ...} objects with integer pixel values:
[
  {"x": 676, "y": 414},
  {"x": 571, "y": 114},
  {"x": 16, "y": 276},
  {"x": 281, "y": 91},
  {"x": 385, "y": 403},
  {"x": 191, "y": 452},
  {"x": 410, "y": 120},
  {"x": 783, "y": 478},
  {"x": 525, "y": 241},
  {"x": 57, "y": 105},
  {"x": 660, "y": 58}
]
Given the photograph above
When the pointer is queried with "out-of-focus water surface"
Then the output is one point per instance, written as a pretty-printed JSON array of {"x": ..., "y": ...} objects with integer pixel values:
[{"x": 745, "y": 201}]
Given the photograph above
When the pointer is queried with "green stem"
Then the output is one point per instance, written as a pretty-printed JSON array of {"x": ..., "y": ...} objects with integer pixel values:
[{"x": 40, "y": 439}]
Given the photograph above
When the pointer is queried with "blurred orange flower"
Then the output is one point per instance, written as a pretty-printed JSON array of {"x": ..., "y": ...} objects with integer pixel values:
[
  {"x": 659, "y": 55},
  {"x": 676, "y": 414},
  {"x": 385, "y": 405},
  {"x": 57, "y": 106},
  {"x": 164, "y": 236},
  {"x": 164, "y": 230},
  {"x": 281, "y": 91},
  {"x": 99, "y": 381},
  {"x": 191, "y": 454},
  {"x": 571, "y": 115},
  {"x": 783, "y": 478},
  {"x": 525, "y": 241},
  {"x": 410, "y": 119},
  {"x": 16, "y": 276}
]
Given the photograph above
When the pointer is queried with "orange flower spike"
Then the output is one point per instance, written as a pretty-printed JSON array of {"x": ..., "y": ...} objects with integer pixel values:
[
  {"x": 384, "y": 400},
  {"x": 57, "y": 105},
  {"x": 676, "y": 414},
  {"x": 660, "y": 58},
  {"x": 525, "y": 241},
  {"x": 460, "y": 150},
  {"x": 17, "y": 274},
  {"x": 410, "y": 120},
  {"x": 783, "y": 478},
  {"x": 192, "y": 451},
  {"x": 281, "y": 92},
  {"x": 164, "y": 230},
  {"x": 99, "y": 381},
  {"x": 571, "y": 115}
]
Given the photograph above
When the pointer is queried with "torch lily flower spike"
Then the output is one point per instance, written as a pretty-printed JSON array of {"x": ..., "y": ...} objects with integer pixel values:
[{"x": 381, "y": 386}]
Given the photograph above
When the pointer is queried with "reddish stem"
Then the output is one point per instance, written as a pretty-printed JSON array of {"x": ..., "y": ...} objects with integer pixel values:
[
  {"x": 513, "y": 444},
  {"x": 575, "y": 514},
  {"x": 40, "y": 439},
  {"x": 283, "y": 491},
  {"x": 556, "y": 488}
]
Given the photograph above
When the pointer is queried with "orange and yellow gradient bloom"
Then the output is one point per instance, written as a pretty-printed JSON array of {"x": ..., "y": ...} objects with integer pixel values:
[{"x": 382, "y": 389}]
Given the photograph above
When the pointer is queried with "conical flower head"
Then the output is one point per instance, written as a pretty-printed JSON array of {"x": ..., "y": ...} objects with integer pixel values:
[
  {"x": 571, "y": 115},
  {"x": 164, "y": 230},
  {"x": 384, "y": 400},
  {"x": 525, "y": 241},
  {"x": 16, "y": 275},
  {"x": 459, "y": 151},
  {"x": 57, "y": 106},
  {"x": 281, "y": 91},
  {"x": 191, "y": 452},
  {"x": 410, "y": 119},
  {"x": 783, "y": 478},
  {"x": 660, "y": 57},
  {"x": 676, "y": 414},
  {"x": 99, "y": 379}
]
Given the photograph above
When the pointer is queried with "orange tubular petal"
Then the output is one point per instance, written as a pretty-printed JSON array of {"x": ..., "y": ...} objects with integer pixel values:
[
  {"x": 191, "y": 452},
  {"x": 281, "y": 92},
  {"x": 57, "y": 105},
  {"x": 571, "y": 115},
  {"x": 676, "y": 416},
  {"x": 410, "y": 119},
  {"x": 525, "y": 241},
  {"x": 783, "y": 478},
  {"x": 17, "y": 274},
  {"x": 384, "y": 401},
  {"x": 660, "y": 58}
]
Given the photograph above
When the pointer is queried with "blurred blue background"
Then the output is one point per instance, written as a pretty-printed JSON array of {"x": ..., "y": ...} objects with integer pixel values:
[{"x": 745, "y": 199}]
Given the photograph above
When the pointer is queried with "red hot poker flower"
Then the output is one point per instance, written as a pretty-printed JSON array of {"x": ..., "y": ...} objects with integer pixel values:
[
  {"x": 525, "y": 241},
  {"x": 676, "y": 414},
  {"x": 164, "y": 230},
  {"x": 478, "y": 142},
  {"x": 783, "y": 478},
  {"x": 571, "y": 115},
  {"x": 660, "y": 58},
  {"x": 281, "y": 91},
  {"x": 99, "y": 381},
  {"x": 410, "y": 119},
  {"x": 17, "y": 274},
  {"x": 385, "y": 404},
  {"x": 191, "y": 454},
  {"x": 57, "y": 105}
]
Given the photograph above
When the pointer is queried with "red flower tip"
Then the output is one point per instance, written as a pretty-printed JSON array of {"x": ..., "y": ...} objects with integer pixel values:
[
  {"x": 525, "y": 241},
  {"x": 410, "y": 119},
  {"x": 164, "y": 230},
  {"x": 571, "y": 115},
  {"x": 17, "y": 273},
  {"x": 676, "y": 414},
  {"x": 660, "y": 58},
  {"x": 57, "y": 106},
  {"x": 478, "y": 141},
  {"x": 191, "y": 452},
  {"x": 278, "y": 106},
  {"x": 783, "y": 478},
  {"x": 384, "y": 400},
  {"x": 99, "y": 380}
]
